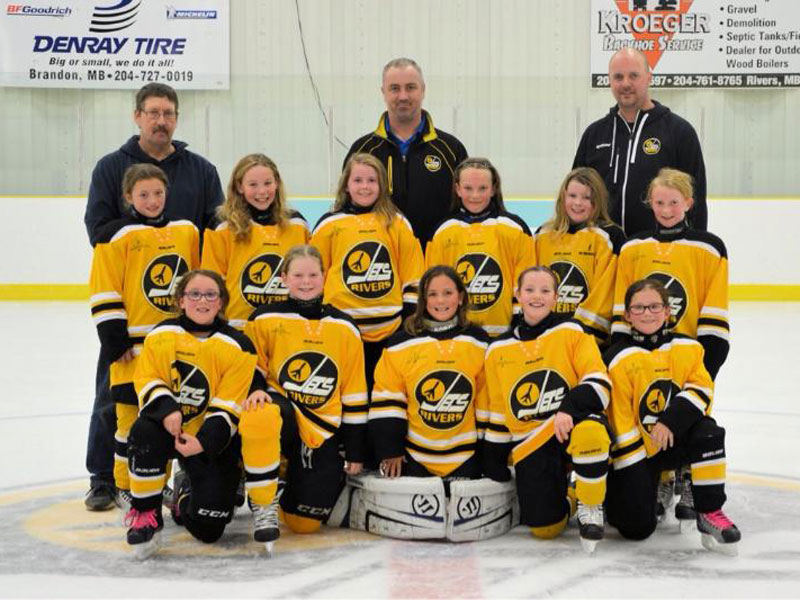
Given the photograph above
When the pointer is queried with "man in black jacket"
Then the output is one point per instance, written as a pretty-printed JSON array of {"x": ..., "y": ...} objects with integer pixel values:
[
  {"x": 634, "y": 140},
  {"x": 194, "y": 193},
  {"x": 419, "y": 158}
]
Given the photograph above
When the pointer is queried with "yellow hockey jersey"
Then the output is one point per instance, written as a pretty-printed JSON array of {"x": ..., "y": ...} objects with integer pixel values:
[
  {"x": 134, "y": 271},
  {"x": 317, "y": 362},
  {"x": 656, "y": 379},
  {"x": 585, "y": 261},
  {"x": 488, "y": 254},
  {"x": 425, "y": 397},
  {"x": 534, "y": 372},
  {"x": 252, "y": 269},
  {"x": 370, "y": 271},
  {"x": 206, "y": 378},
  {"x": 693, "y": 266}
]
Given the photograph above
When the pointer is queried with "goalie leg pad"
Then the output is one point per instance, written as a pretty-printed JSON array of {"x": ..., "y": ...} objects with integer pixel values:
[
  {"x": 480, "y": 509},
  {"x": 409, "y": 508}
]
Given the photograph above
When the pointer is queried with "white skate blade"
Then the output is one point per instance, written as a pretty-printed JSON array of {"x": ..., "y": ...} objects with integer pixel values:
[
  {"x": 146, "y": 550},
  {"x": 710, "y": 543},
  {"x": 269, "y": 547},
  {"x": 687, "y": 525},
  {"x": 589, "y": 545}
]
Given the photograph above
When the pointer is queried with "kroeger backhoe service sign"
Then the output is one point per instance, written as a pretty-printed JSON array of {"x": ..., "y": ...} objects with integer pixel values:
[{"x": 701, "y": 43}]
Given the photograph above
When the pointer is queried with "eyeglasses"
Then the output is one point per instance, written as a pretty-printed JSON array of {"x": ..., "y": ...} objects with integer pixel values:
[
  {"x": 638, "y": 309},
  {"x": 153, "y": 114},
  {"x": 195, "y": 296}
]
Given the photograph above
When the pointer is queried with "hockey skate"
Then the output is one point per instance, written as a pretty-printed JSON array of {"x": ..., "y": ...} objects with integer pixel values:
[
  {"x": 718, "y": 533},
  {"x": 590, "y": 523},
  {"x": 665, "y": 494},
  {"x": 183, "y": 489},
  {"x": 684, "y": 509},
  {"x": 241, "y": 495},
  {"x": 123, "y": 501},
  {"x": 144, "y": 532},
  {"x": 265, "y": 521}
]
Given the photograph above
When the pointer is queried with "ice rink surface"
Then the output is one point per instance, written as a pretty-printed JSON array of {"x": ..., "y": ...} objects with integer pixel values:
[{"x": 51, "y": 547}]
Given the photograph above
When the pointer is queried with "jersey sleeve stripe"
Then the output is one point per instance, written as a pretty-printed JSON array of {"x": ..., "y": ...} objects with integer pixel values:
[{"x": 387, "y": 412}]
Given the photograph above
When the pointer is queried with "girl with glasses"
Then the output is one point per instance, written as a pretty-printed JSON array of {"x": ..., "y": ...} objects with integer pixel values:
[
  {"x": 193, "y": 375},
  {"x": 659, "y": 414},
  {"x": 137, "y": 264}
]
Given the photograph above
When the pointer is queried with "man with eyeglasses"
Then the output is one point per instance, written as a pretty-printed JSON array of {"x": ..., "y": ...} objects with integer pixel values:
[{"x": 194, "y": 193}]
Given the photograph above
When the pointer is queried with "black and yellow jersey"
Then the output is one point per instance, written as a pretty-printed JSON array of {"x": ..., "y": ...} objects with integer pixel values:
[
  {"x": 585, "y": 261},
  {"x": 135, "y": 268},
  {"x": 314, "y": 357},
  {"x": 532, "y": 372},
  {"x": 370, "y": 270},
  {"x": 488, "y": 253},
  {"x": 206, "y": 378},
  {"x": 425, "y": 396},
  {"x": 659, "y": 378},
  {"x": 693, "y": 266},
  {"x": 252, "y": 268}
]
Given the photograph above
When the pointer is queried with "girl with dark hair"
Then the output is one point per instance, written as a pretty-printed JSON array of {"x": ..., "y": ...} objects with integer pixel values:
[{"x": 423, "y": 417}]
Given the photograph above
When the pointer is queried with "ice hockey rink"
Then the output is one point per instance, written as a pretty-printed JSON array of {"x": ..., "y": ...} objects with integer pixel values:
[{"x": 51, "y": 547}]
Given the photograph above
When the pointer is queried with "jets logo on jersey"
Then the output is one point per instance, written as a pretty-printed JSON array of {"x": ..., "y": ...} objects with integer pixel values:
[
  {"x": 677, "y": 296},
  {"x": 309, "y": 378},
  {"x": 367, "y": 270},
  {"x": 261, "y": 281},
  {"x": 443, "y": 398},
  {"x": 538, "y": 395},
  {"x": 483, "y": 278},
  {"x": 655, "y": 400},
  {"x": 190, "y": 386},
  {"x": 160, "y": 278},
  {"x": 572, "y": 286}
]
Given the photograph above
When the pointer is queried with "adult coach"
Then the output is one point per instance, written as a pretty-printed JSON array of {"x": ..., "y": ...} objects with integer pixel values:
[
  {"x": 634, "y": 140},
  {"x": 194, "y": 193},
  {"x": 419, "y": 158}
]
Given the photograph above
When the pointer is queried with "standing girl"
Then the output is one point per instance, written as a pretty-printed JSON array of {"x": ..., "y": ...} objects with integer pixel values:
[
  {"x": 252, "y": 232},
  {"x": 692, "y": 265},
  {"x": 371, "y": 258},
  {"x": 581, "y": 245},
  {"x": 137, "y": 263},
  {"x": 193, "y": 375},
  {"x": 487, "y": 246},
  {"x": 548, "y": 390},
  {"x": 660, "y": 419},
  {"x": 311, "y": 366}
]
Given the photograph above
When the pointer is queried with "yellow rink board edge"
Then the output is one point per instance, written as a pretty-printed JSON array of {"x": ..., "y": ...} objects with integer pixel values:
[{"x": 760, "y": 292}]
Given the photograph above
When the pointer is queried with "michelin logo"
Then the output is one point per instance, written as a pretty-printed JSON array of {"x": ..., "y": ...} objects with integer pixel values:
[{"x": 179, "y": 13}]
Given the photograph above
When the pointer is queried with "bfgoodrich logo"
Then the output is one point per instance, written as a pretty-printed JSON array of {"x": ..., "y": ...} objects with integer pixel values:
[
  {"x": 180, "y": 13},
  {"x": 26, "y": 10}
]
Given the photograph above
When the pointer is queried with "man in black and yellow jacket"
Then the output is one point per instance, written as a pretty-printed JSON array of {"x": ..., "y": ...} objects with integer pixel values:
[{"x": 419, "y": 158}]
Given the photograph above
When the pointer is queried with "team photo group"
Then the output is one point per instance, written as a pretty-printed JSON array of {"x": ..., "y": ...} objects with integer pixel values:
[{"x": 420, "y": 363}]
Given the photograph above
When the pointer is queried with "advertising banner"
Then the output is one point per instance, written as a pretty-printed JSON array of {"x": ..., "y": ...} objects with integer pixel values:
[
  {"x": 701, "y": 43},
  {"x": 115, "y": 44}
]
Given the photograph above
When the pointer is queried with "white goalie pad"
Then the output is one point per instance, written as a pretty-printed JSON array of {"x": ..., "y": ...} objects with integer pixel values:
[
  {"x": 409, "y": 508},
  {"x": 480, "y": 509}
]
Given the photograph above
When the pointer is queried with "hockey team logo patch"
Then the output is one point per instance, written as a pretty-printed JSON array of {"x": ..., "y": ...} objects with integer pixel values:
[
  {"x": 655, "y": 400},
  {"x": 261, "y": 281},
  {"x": 443, "y": 398},
  {"x": 483, "y": 279},
  {"x": 651, "y": 146},
  {"x": 160, "y": 278},
  {"x": 191, "y": 387},
  {"x": 677, "y": 296},
  {"x": 433, "y": 163},
  {"x": 538, "y": 395},
  {"x": 309, "y": 378},
  {"x": 572, "y": 286},
  {"x": 367, "y": 270}
]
